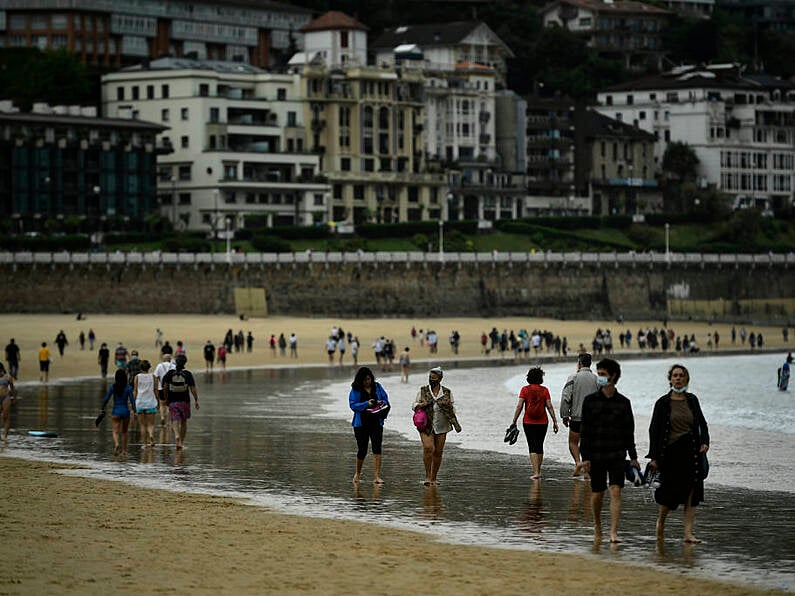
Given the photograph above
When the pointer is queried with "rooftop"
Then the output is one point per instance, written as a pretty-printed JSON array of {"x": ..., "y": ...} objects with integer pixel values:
[{"x": 334, "y": 21}]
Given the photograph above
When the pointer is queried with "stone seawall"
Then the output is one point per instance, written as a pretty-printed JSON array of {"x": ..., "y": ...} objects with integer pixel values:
[{"x": 396, "y": 289}]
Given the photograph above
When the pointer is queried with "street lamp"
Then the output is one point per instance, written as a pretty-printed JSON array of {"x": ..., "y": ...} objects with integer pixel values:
[
  {"x": 441, "y": 241},
  {"x": 174, "y": 201},
  {"x": 227, "y": 223},
  {"x": 667, "y": 244}
]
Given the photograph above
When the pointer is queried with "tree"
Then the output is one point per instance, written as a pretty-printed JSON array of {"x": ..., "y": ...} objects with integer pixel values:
[
  {"x": 28, "y": 75},
  {"x": 679, "y": 167}
]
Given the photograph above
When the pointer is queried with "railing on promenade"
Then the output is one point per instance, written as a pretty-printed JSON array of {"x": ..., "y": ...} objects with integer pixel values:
[{"x": 578, "y": 259}]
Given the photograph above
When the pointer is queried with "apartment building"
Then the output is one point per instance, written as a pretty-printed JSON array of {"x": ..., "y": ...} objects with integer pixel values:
[
  {"x": 741, "y": 126},
  {"x": 239, "y": 142},
  {"x": 463, "y": 65},
  {"x": 121, "y": 32},
  {"x": 618, "y": 29},
  {"x": 63, "y": 161},
  {"x": 366, "y": 124}
]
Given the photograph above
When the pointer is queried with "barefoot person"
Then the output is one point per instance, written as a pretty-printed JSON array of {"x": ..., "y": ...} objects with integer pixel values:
[
  {"x": 437, "y": 402},
  {"x": 122, "y": 395},
  {"x": 535, "y": 400},
  {"x": 145, "y": 393},
  {"x": 178, "y": 386},
  {"x": 678, "y": 443},
  {"x": 7, "y": 394},
  {"x": 607, "y": 435},
  {"x": 160, "y": 372},
  {"x": 577, "y": 386},
  {"x": 368, "y": 426}
]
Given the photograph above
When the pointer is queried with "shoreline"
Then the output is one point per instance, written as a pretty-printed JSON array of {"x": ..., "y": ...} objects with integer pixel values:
[{"x": 104, "y": 533}]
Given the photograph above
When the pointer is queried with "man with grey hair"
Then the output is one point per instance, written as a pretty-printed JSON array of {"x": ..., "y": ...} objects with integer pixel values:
[
  {"x": 577, "y": 386},
  {"x": 160, "y": 372}
]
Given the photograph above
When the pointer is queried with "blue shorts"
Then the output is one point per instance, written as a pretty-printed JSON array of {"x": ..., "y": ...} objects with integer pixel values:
[{"x": 146, "y": 410}]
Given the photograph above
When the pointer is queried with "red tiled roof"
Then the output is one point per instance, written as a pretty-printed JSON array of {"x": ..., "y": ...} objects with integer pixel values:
[{"x": 332, "y": 21}]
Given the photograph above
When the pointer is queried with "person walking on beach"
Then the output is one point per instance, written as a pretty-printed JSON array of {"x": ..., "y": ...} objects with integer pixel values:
[
  {"x": 437, "y": 402},
  {"x": 607, "y": 435},
  {"x": 221, "y": 353},
  {"x": 146, "y": 402},
  {"x": 577, "y": 386},
  {"x": 13, "y": 358},
  {"x": 103, "y": 357},
  {"x": 678, "y": 445},
  {"x": 293, "y": 346},
  {"x": 61, "y": 342},
  {"x": 355, "y": 351},
  {"x": 81, "y": 339},
  {"x": 209, "y": 356},
  {"x": 160, "y": 373},
  {"x": 44, "y": 362},
  {"x": 784, "y": 372},
  {"x": 331, "y": 348},
  {"x": 405, "y": 363},
  {"x": 92, "y": 337},
  {"x": 7, "y": 393},
  {"x": 120, "y": 356},
  {"x": 341, "y": 346},
  {"x": 122, "y": 395},
  {"x": 370, "y": 404},
  {"x": 178, "y": 386},
  {"x": 534, "y": 399}
]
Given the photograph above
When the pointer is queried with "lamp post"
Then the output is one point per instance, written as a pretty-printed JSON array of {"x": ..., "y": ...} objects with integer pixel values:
[
  {"x": 174, "y": 201},
  {"x": 667, "y": 242},
  {"x": 227, "y": 223},
  {"x": 441, "y": 241}
]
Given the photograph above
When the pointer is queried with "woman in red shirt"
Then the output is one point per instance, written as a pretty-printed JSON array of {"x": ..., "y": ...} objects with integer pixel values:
[{"x": 535, "y": 400}]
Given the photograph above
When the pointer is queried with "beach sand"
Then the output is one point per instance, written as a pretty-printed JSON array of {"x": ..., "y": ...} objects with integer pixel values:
[
  {"x": 138, "y": 332},
  {"x": 68, "y": 534},
  {"x": 71, "y": 535}
]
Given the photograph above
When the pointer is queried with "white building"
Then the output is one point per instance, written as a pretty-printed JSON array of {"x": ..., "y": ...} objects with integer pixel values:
[
  {"x": 238, "y": 139},
  {"x": 741, "y": 127}
]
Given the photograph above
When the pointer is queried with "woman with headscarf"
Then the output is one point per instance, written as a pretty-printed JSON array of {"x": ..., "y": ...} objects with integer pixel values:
[
  {"x": 436, "y": 401},
  {"x": 370, "y": 404}
]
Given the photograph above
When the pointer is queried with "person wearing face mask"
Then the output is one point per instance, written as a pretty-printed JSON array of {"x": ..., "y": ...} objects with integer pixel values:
[
  {"x": 678, "y": 444},
  {"x": 607, "y": 436},
  {"x": 437, "y": 401}
]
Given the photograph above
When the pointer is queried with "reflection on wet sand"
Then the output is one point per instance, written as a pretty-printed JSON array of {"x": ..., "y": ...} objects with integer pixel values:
[
  {"x": 432, "y": 507},
  {"x": 533, "y": 518},
  {"x": 580, "y": 502},
  {"x": 44, "y": 409}
]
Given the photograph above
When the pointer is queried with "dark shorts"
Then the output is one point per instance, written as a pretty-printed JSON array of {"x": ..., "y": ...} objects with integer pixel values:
[
  {"x": 575, "y": 426},
  {"x": 372, "y": 433},
  {"x": 600, "y": 471},
  {"x": 179, "y": 410},
  {"x": 535, "y": 434},
  {"x": 44, "y": 365}
]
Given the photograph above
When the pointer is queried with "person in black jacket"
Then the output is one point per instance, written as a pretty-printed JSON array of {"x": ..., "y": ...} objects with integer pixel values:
[
  {"x": 678, "y": 445},
  {"x": 607, "y": 435}
]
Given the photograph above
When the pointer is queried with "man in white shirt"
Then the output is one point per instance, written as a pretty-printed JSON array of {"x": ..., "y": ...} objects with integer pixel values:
[
  {"x": 577, "y": 386},
  {"x": 160, "y": 371}
]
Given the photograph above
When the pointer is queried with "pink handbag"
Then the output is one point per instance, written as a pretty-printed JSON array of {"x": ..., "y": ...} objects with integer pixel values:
[{"x": 420, "y": 419}]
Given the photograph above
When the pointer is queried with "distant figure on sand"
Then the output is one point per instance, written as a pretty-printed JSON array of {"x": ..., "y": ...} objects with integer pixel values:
[
  {"x": 370, "y": 404},
  {"x": 44, "y": 362},
  {"x": 405, "y": 363},
  {"x": 678, "y": 445},
  {"x": 7, "y": 394},
  {"x": 160, "y": 372},
  {"x": 535, "y": 400},
  {"x": 146, "y": 402},
  {"x": 122, "y": 395},
  {"x": 103, "y": 356},
  {"x": 437, "y": 402},
  {"x": 178, "y": 385},
  {"x": 783, "y": 373},
  {"x": 577, "y": 386},
  {"x": 607, "y": 435}
]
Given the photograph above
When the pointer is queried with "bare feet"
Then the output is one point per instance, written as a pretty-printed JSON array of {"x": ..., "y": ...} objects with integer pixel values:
[
  {"x": 535, "y": 476},
  {"x": 378, "y": 481},
  {"x": 692, "y": 540},
  {"x": 116, "y": 450},
  {"x": 577, "y": 469},
  {"x": 427, "y": 482},
  {"x": 614, "y": 539},
  {"x": 356, "y": 479}
]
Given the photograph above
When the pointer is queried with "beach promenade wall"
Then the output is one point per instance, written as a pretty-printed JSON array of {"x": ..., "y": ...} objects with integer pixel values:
[{"x": 559, "y": 285}]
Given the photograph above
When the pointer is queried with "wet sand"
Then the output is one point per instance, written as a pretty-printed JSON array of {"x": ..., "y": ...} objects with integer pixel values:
[
  {"x": 72, "y": 535},
  {"x": 138, "y": 332}
]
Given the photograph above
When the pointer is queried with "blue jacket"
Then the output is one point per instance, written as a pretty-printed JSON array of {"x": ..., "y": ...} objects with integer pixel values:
[{"x": 358, "y": 406}]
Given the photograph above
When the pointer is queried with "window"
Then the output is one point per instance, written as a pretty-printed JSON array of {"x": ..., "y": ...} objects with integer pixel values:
[
  {"x": 184, "y": 198},
  {"x": 135, "y": 92},
  {"x": 672, "y": 97},
  {"x": 292, "y": 118},
  {"x": 184, "y": 113},
  {"x": 120, "y": 93},
  {"x": 358, "y": 192},
  {"x": 150, "y": 92},
  {"x": 642, "y": 115},
  {"x": 164, "y": 91},
  {"x": 230, "y": 172},
  {"x": 164, "y": 115},
  {"x": 414, "y": 194},
  {"x": 343, "y": 39},
  {"x": 609, "y": 100},
  {"x": 630, "y": 100},
  {"x": 184, "y": 172},
  {"x": 212, "y": 142},
  {"x": 281, "y": 94},
  {"x": 337, "y": 191},
  {"x": 183, "y": 141},
  {"x": 204, "y": 90},
  {"x": 667, "y": 136},
  {"x": 345, "y": 164},
  {"x": 368, "y": 165},
  {"x": 214, "y": 114},
  {"x": 319, "y": 202}
]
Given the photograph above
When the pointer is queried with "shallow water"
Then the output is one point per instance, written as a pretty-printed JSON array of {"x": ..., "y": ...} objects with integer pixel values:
[{"x": 282, "y": 439}]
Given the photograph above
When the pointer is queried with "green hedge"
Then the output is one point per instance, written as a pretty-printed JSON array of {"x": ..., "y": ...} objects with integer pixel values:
[
  {"x": 410, "y": 229},
  {"x": 71, "y": 243},
  {"x": 571, "y": 222},
  {"x": 268, "y": 243}
]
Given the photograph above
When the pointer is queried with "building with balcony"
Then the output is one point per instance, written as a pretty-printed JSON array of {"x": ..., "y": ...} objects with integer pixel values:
[
  {"x": 366, "y": 124},
  {"x": 463, "y": 65},
  {"x": 63, "y": 161},
  {"x": 778, "y": 15},
  {"x": 741, "y": 127},
  {"x": 120, "y": 32},
  {"x": 621, "y": 29},
  {"x": 239, "y": 139},
  {"x": 619, "y": 159}
]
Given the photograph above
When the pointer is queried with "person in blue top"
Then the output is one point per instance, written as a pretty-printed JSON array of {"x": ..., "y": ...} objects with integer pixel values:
[
  {"x": 122, "y": 395},
  {"x": 370, "y": 405}
]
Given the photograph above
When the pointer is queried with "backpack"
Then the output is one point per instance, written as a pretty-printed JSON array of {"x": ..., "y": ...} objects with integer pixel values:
[{"x": 178, "y": 383}]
